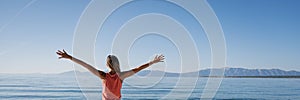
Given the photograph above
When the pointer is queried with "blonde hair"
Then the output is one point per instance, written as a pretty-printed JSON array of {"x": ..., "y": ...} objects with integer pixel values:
[{"x": 113, "y": 63}]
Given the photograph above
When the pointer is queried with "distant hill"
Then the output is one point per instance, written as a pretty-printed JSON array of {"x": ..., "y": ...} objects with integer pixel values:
[
  {"x": 259, "y": 72},
  {"x": 252, "y": 72},
  {"x": 72, "y": 73},
  {"x": 206, "y": 72},
  {"x": 228, "y": 72}
]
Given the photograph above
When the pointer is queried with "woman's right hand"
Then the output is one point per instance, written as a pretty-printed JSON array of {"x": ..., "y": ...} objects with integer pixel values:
[{"x": 63, "y": 54}]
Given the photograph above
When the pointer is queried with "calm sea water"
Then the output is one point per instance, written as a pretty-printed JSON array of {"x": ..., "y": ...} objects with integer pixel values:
[{"x": 67, "y": 87}]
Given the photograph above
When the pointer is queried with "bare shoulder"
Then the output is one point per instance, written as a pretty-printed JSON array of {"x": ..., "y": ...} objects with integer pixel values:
[{"x": 102, "y": 74}]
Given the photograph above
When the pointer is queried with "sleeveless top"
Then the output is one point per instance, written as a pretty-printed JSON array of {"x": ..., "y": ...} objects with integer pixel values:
[{"x": 111, "y": 85}]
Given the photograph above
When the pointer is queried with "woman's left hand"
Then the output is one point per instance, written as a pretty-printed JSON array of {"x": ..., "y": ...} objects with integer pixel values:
[{"x": 158, "y": 58}]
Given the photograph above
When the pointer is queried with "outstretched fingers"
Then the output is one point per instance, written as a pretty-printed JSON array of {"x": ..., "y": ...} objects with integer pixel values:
[
  {"x": 62, "y": 54},
  {"x": 58, "y": 52},
  {"x": 161, "y": 58}
]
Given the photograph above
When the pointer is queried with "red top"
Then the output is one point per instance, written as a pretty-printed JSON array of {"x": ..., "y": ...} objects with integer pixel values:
[{"x": 111, "y": 85}]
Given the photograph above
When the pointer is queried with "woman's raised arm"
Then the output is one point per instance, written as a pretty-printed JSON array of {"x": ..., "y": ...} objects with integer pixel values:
[
  {"x": 64, "y": 54},
  {"x": 125, "y": 74}
]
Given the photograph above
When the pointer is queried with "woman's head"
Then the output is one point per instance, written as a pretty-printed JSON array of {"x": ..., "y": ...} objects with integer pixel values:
[{"x": 113, "y": 63}]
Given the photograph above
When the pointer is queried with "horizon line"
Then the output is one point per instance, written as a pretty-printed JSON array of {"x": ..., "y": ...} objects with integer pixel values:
[{"x": 151, "y": 70}]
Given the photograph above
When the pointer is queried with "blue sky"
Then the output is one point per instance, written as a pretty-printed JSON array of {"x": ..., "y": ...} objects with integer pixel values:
[{"x": 258, "y": 33}]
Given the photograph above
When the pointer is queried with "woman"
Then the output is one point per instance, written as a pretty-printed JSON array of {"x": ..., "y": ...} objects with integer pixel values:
[{"x": 112, "y": 81}]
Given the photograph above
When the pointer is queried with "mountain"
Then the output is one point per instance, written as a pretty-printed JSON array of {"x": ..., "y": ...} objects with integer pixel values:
[
  {"x": 251, "y": 72},
  {"x": 229, "y": 72},
  {"x": 259, "y": 72},
  {"x": 72, "y": 73}
]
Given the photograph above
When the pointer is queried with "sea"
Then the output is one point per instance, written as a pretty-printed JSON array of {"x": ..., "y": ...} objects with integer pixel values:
[{"x": 61, "y": 87}]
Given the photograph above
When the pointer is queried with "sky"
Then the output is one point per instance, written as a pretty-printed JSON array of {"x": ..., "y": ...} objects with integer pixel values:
[{"x": 258, "y": 34}]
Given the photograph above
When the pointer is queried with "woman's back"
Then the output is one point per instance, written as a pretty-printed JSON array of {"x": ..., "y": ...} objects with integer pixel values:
[{"x": 111, "y": 85}]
